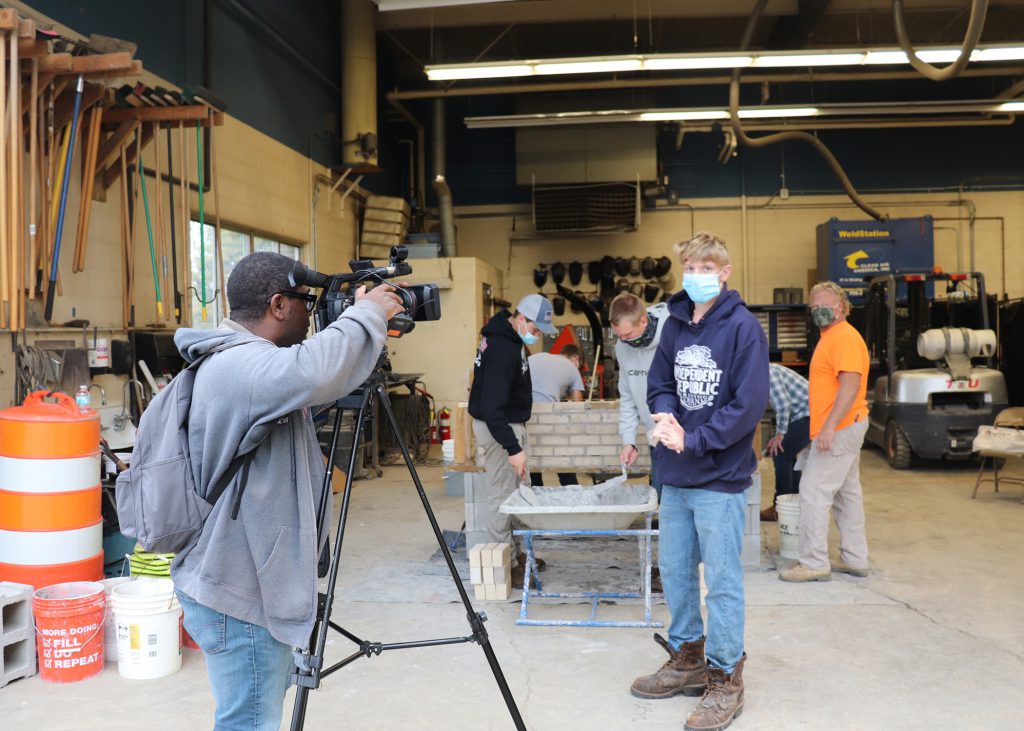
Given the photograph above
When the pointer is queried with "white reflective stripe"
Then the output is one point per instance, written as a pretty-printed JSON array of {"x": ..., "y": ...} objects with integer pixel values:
[
  {"x": 38, "y": 548},
  {"x": 49, "y": 475}
]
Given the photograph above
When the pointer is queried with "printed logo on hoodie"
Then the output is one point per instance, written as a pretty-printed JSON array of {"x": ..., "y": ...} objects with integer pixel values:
[{"x": 697, "y": 377}]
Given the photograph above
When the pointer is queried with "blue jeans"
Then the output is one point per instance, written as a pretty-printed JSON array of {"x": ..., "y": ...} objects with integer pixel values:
[
  {"x": 698, "y": 525},
  {"x": 654, "y": 481},
  {"x": 248, "y": 669},
  {"x": 798, "y": 436}
]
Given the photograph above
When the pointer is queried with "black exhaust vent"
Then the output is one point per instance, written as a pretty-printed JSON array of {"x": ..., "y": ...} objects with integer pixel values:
[{"x": 590, "y": 208}]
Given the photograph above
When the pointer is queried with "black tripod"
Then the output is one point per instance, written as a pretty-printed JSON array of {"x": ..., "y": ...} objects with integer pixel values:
[{"x": 308, "y": 676}]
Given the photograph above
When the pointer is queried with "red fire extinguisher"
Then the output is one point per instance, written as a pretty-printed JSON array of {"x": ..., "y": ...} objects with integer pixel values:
[
  {"x": 444, "y": 417},
  {"x": 433, "y": 429}
]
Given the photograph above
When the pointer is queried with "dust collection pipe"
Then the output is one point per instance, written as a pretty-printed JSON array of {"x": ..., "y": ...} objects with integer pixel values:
[
  {"x": 358, "y": 82},
  {"x": 737, "y": 127},
  {"x": 979, "y": 9},
  {"x": 444, "y": 194}
]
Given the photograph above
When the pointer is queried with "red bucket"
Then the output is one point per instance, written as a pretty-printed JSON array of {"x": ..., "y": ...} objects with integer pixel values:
[{"x": 69, "y": 630}]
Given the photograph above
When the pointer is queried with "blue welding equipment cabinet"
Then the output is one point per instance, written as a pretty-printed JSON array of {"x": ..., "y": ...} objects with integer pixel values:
[{"x": 852, "y": 252}]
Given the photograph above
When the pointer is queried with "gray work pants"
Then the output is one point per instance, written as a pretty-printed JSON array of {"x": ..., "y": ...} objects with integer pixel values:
[
  {"x": 832, "y": 480},
  {"x": 502, "y": 481}
]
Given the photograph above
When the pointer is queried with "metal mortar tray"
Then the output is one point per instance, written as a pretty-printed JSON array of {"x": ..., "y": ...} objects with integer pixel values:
[{"x": 612, "y": 505}]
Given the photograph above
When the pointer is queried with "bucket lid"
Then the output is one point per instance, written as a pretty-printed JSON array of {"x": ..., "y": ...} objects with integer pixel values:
[{"x": 35, "y": 408}]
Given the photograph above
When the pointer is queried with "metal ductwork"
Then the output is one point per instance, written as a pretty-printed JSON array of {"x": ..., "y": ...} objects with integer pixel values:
[
  {"x": 359, "y": 83},
  {"x": 444, "y": 194}
]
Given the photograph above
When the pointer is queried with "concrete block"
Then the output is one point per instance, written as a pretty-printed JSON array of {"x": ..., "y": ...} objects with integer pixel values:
[
  {"x": 455, "y": 483},
  {"x": 496, "y": 574},
  {"x": 476, "y": 572},
  {"x": 480, "y": 592},
  {"x": 477, "y": 536},
  {"x": 478, "y": 516},
  {"x": 15, "y": 610},
  {"x": 18, "y": 659},
  {"x": 502, "y": 591}
]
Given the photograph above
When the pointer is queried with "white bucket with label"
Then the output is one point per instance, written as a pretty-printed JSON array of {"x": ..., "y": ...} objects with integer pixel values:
[
  {"x": 788, "y": 507},
  {"x": 109, "y": 625},
  {"x": 148, "y": 619}
]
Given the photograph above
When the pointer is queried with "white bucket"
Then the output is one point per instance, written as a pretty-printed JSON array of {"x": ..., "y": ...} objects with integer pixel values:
[
  {"x": 148, "y": 619},
  {"x": 788, "y": 507},
  {"x": 109, "y": 625}
]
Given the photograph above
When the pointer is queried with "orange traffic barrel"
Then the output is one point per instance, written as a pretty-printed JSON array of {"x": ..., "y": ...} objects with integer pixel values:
[{"x": 51, "y": 528}]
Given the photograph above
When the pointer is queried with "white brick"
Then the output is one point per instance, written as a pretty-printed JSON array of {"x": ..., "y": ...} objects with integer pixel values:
[
  {"x": 606, "y": 451},
  {"x": 476, "y": 573},
  {"x": 537, "y": 429},
  {"x": 480, "y": 592},
  {"x": 587, "y": 439}
]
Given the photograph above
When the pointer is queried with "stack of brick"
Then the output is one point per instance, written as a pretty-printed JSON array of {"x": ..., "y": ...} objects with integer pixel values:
[
  {"x": 17, "y": 633},
  {"x": 490, "y": 570},
  {"x": 385, "y": 224},
  {"x": 751, "y": 553},
  {"x": 581, "y": 436}
]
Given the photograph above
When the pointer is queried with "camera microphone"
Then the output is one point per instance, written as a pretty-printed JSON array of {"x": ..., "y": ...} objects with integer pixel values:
[{"x": 301, "y": 275}]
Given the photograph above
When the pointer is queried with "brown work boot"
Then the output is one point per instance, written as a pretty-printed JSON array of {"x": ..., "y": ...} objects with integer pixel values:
[
  {"x": 656, "y": 585},
  {"x": 519, "y": 575},
  {"x": 722, "y": 701},
  {"x": 685, "y": 672},
  {"x": 800, "y": 573},
  {"x": 770, "y": 515},
  {"x": 541, "y": 563}
]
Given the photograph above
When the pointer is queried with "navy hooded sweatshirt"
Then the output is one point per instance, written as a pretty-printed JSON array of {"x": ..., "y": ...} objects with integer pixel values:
[
  {"x": 713, "y": 377},
  {"x": 502, "y": 392}
]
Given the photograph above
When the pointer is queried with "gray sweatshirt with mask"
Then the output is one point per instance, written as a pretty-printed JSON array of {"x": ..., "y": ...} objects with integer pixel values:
[
  {"x": 261, "y": 568},
  {"x": 633, "y": 366}
]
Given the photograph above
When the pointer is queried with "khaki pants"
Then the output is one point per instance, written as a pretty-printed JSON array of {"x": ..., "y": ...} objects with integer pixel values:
[
  {"x": 502, "y": 481},
  {"x": 832, "y": 480}
]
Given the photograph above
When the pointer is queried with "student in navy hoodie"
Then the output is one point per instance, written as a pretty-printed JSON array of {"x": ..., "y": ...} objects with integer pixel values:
[{"x": 707, "y": 389}]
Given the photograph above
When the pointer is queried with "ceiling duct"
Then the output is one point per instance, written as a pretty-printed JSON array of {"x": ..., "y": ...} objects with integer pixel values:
[{"x": 600, "y": 154}]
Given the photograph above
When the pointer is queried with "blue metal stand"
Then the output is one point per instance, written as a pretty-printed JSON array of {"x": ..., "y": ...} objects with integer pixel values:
[{"x": 643, "y": 536}]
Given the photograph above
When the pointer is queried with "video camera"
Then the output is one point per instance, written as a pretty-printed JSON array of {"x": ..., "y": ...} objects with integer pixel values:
[{"x": 422, "y": 302}]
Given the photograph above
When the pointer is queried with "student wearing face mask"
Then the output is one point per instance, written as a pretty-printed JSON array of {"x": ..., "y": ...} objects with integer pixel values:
[
  {"x": 638, "y": 329},
  {"x": 707, "y": 390},
  {"x": 839, "y": 421},
  {"x": 500, "y": 402}
]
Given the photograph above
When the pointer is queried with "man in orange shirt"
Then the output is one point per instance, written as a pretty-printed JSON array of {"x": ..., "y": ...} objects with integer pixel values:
[{"x": 839, "y": 421}]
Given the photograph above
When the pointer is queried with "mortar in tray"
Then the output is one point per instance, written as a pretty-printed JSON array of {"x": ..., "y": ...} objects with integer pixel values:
[{"x": 612, "y": 505}]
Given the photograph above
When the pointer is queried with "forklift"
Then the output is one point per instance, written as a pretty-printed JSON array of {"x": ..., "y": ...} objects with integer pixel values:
[{"x": 930, "y": 397}]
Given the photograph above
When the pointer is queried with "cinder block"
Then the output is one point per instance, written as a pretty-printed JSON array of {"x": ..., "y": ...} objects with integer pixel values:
[
  {"x": 478, "y": 516},
  {"x": 19, "y": 659},
  {"x": 15, "y": 610}
]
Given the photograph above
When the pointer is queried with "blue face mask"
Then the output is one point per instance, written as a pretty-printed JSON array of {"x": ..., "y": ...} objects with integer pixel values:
[
  {"x": 702, "y": 288},
  {"x": 527, "y": 337}
]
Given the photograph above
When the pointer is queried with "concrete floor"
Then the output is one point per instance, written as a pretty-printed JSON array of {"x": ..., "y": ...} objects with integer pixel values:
[{"x": 933, "y": 639}]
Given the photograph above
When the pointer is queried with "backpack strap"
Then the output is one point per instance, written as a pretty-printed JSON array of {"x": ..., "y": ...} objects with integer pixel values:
[{"x": 240, "y": 462}]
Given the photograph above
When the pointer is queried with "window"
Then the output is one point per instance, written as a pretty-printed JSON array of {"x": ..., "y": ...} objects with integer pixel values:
[{"x": 235, "y": 244}]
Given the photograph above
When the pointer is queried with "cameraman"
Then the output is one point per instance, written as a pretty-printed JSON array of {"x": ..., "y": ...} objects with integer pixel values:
[{"x": 248, "y": 586}]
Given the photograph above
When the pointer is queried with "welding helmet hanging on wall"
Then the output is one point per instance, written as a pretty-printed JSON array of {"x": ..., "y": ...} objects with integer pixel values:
[
  {"x": 594, "y": 272},
  {"x": 558, "y": 305},
  {"x": 575, "y": 273},
  {"x": 558, "y": 272},
  {"x": 647, "y": 267},
  {"x": 540, "y": 276}
]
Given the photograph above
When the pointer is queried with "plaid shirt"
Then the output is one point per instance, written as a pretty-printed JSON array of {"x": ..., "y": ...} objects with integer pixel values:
[{"x": 787, "y": 391}]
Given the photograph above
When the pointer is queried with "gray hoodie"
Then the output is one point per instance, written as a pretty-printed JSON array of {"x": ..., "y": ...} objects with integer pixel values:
[
  {"x": 633, "y": 366},
  {"x": 261, "y": 568}
]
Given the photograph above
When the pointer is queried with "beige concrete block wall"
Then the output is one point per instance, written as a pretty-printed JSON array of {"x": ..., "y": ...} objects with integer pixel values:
[
  {"x": 580, "y": 435},
  {"x": 443, "y": 351},
  {"x": 775, "y": 248}
]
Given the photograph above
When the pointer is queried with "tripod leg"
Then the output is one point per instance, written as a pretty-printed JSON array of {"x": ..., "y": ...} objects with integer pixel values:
[
  {"x": 308, "y": 678},
  {"x": 476, "y": 619}
]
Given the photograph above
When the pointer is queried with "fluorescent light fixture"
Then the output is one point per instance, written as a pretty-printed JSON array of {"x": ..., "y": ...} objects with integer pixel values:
[
  {"x": 468, "y": 71},
  {"x": 684, "y": 115},
  {"x": 684, "y": 63},
  {"x": 704, "y": 61},
  {"x": 777, "y": 112},
  {"x": 878, "y": 109},
  {"x": 587, "y": 67},
  {"x": 808, "y": 59},
  {"x": 1004, "y": 53}
]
